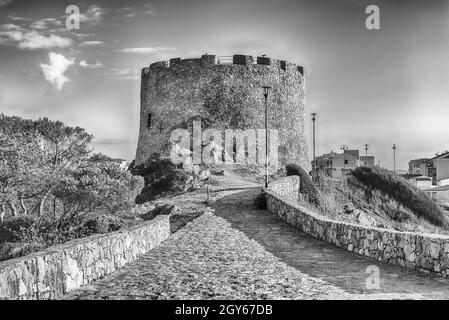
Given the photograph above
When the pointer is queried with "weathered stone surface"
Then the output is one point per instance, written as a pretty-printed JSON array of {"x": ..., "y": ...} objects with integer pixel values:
[
  {"x": 165, "y": 209},
  {"x": 172, "y": 94},
  {"x": 63, "y": 268},
  {"x": 287, "y": 187},
  {"x": 424, "y": 252}
]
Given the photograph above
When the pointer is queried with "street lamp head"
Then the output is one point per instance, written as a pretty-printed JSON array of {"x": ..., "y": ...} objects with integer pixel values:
[
  {"x": 265, "y": 91},
  {"x": 394, "y": 146}
]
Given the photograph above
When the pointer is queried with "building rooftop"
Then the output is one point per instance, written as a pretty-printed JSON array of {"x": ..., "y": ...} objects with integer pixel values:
[{"x": 442, "y": 188}]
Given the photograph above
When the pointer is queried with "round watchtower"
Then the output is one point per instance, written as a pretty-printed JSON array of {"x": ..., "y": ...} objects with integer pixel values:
[{"x": 224, "y": 93}]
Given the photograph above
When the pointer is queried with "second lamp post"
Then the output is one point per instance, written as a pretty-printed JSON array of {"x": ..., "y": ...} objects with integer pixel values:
[{"x": 265, "y": 94}]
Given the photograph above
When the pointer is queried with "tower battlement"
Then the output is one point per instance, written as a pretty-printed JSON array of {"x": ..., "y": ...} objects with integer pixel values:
[{"x": 237, "y": 59}]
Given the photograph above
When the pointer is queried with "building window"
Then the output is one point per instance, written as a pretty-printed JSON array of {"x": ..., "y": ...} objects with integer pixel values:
[
  {"x": 149, "y": 120},
  {"x": 346, "y": 161}
]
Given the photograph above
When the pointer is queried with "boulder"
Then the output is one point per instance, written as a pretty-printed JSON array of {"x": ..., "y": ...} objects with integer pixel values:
[
  {"x": 204, "y": 174},
  {"x": 364, "y": 218},
  {"x": 222, "y": 173},
  {"x": 166, "y": 209},
  {"x": 348, "y": 208}
]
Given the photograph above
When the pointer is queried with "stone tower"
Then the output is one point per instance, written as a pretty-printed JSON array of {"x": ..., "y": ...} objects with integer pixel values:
[{"x": 225, "y": 93}]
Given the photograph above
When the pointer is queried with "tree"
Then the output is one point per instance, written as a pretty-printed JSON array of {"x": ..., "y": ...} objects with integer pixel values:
[{"x": 22, "y": 170}]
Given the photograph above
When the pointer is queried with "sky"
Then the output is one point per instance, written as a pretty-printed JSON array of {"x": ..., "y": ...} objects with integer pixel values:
[{"x": 380, "y": 87}]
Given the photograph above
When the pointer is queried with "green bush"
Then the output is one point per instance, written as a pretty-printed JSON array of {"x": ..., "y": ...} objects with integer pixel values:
[
  {"x": 403, "y": 192},
  {"x": 260, "y": 202},
  {"x": 174, "y": 181},
  {"x": 11, "y": 228},
  {"x": 307, "y": 187}
]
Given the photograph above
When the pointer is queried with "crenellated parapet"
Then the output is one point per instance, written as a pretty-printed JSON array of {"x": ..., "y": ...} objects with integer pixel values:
[{"x": 208, "y": 60}]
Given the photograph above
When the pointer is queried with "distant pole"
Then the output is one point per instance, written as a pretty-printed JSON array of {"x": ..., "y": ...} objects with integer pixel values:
[
  {"x": 265, "y": 94},
  {"x": 366, "y": 150},
  {"x": 394, "y": 158},
  {"x": 314, "y": 147}
]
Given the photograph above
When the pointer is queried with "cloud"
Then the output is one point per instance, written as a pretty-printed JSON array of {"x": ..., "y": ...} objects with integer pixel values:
[
  {"x": 146, "y": 50},
  {"x": 34, "y": 40},
  {"x": 129, "y": 78},
  {"x": 128, "y": 12},
  {"x": 55, "y": 69},
  {"x": 46, "y": 24},
  {"x": 86, "y": 65},
  {"x": 16, "y": 18},
  {"x": 30, "y": 39},
  {"x": 149, "y": 9},
  {"x": 93, "y": 15},
  {"x": 4, "y": 2},
  {"x": 92, "y": 43},
  {"x": 120, "y": 72}
]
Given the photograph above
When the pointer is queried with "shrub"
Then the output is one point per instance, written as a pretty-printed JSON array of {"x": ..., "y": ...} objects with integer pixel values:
[
  {"x": 307, "y": 187},
  {"x": 403, "y": 192},
  {"x": 174, "y": 181},
  {"x": 260, "y": 202},
  {"x": 11, "y": 228}
]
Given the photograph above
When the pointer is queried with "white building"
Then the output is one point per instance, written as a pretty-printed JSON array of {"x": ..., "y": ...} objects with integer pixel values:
[{"x": 340, "y": 164}]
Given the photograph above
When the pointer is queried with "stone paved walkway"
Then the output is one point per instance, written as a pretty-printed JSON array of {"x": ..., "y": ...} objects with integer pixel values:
[{"x": 239, "y": 252}]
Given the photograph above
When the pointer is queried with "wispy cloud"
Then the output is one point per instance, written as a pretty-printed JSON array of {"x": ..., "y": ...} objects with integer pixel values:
[
  {"x": 128, "y": 78},
  {"x": 119, "y": 71},
  {"x": 44, "y": 24},
  {"x": 55, "y": 68},
  {"x": 17, "y": 18},
  {"x": 92, "y": 43},
  {"x": 149, "y": 9},
  {"x": 128, "y": 12},
  {"x": 146, "y": 50},
  {"x": 122, "y": 74},
  {"x": 4, "y": 2},
  {"x": 93, "y": 15},
  {"x": 31, "y": 39},
  {"x": 84, "y": 64}
]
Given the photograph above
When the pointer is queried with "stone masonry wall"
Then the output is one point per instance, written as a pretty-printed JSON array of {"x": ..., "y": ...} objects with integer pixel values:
[
  {"x": 224, "y": 96},
  {"x": 63, "y": 268},
  {"x": 424, "y": 252}
]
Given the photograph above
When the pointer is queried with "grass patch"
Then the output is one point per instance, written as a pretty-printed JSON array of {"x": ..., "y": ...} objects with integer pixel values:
[{"x": 403, "y": 192}]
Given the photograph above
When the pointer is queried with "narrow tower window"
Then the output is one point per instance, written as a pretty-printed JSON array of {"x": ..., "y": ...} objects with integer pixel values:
[{"x": 150, "y": 116}]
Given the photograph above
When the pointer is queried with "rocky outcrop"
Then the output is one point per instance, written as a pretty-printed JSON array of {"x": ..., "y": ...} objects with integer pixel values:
[
  {"x": 425, "y": 252},
  {"x": 63, "y": 268}
]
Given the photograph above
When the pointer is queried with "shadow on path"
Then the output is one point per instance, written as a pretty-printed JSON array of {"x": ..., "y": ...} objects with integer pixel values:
[{"x": 319, "y": 259}]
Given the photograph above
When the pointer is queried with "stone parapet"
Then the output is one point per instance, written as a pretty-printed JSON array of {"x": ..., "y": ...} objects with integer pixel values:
[
  {"x": 424, "y": 252},
  {"x": 57, "y": 270}
]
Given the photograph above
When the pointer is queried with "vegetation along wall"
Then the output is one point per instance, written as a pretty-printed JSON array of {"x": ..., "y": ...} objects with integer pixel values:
[{"x": 423, "y": 252}]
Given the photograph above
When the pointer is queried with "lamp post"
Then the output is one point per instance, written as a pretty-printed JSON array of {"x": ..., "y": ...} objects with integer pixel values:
[
  {"x": 394, "y": 158},
  {"x": 314, "y": 150},
  {"x": 265, "y": 94}
]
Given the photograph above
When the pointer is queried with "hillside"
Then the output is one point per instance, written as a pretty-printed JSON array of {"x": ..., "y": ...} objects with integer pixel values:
[{"x": 378, "y": 198}]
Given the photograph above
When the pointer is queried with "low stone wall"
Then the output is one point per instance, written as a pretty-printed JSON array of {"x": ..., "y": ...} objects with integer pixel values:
[
  {"x": 63, "y": 268},
  {"x": 424, "y": 252}
]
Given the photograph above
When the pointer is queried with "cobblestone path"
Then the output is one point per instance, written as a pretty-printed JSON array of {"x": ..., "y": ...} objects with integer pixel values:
[{"x": 238, "y": 252}]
